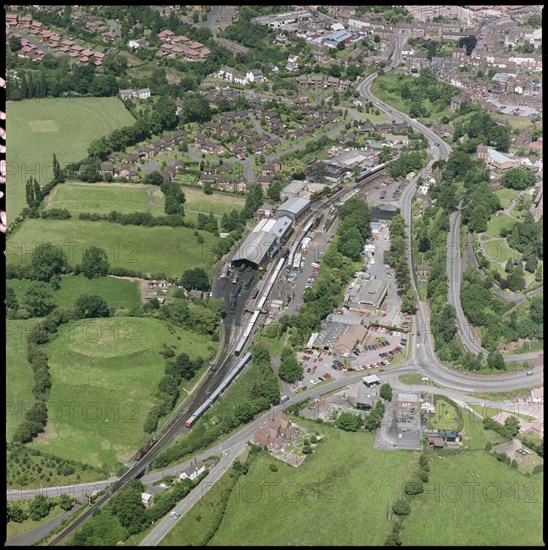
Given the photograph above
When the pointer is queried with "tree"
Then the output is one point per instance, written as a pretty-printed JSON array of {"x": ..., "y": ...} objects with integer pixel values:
[
  {"x": 38, "y": 299},
  {"x": 39, "y": 507},
  {"x": 15, "y": 512},
  {"x": 495, "y": 360},
  {"x": 518, "y": 178},
  {"x": 349, "y": 422},
  {"x": 516, "y": 279},
  {"x": 14, "y": 44},
  {"x": 195, "y": 278},
  {"x": 90, "y": 306},
  {"x": 386, "y": 392},
  {"x": 154, "y": 178},
  {"x": 66, "y": 502},
  {"x": 11, "y": 299},
  {"x": 538, "y": 274},
  {"x": 128, "y": 507},
  {"x": 290, "y": 370},
  {"x": 47, "y": 259},
  {"x": 94, "y": 262},
  {"x": 512, "y": 425},
  {"x": 401, "y": 508}
]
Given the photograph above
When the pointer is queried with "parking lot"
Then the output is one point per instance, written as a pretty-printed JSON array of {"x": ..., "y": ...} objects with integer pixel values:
[
  {"x": 379, "y": 349},
  {"x": 386, "y": 190}
]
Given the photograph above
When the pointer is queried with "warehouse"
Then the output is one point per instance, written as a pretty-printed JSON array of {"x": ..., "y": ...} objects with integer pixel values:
[
  {"x": 294, "y": 208},
  {"x": 370, "y": 295}
]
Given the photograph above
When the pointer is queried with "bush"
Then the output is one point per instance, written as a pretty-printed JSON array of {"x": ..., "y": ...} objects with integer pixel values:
[
  {"x": 401, "y": 508},
  {"x": 538, "y": 468},
  {"x": 273, "y": 468},
  {"x": 414, "y": 487}
]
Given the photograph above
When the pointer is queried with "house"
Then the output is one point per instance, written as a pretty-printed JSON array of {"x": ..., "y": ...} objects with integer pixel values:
[
  {"x": 146, "y": 499},
  {"x": 136, "y": 44},
  {"x": 422, "y": 271},
  {"x": 166, "y": 35},
  {"x": 255, "y": 76},
  {"x": 191, "y": 472},
  {"x": 106, "y": 168},
  {"x": 276, "y": 433},
  {"x": 436, "y": 442}
]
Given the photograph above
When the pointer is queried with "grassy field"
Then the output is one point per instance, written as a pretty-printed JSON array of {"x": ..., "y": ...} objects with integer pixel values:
[
  {"x": 218, "y": 203},
  {"x": 317, "y": 503},
  {"x": 108, "y": 369},
  {"x": 506, "y": 196},
  {"x": 445, "y": 417},
  {"x": 497, "y": 223},
  {"x": 118, "y": 293},
  {"x": 499, "y": 507},
  {"x": 19, "y": 375},
  {"x": 102, "y": 198},
  {"x": 38, "y": 128},
  {"x": 498, "y": 250},
  {"x": 148, "y": 249},
  {"x": 522, "y": 393}
]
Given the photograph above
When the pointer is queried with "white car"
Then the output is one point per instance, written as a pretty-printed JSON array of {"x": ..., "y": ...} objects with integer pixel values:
[
  {"x": 418, "y": 345},
  {"x": 315, "y": 264}
]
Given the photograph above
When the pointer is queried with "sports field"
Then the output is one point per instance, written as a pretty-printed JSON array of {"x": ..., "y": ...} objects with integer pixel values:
[
  {"x": 147, "y": 249},
  {"x": 118, "y": 293},
  {"x": 108, "y": 370},
  {"x": 64, "y": 126},
  {"x": 102, "y": 198}
]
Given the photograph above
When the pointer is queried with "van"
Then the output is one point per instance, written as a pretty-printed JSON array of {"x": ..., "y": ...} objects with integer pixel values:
[{"x": 284, "y": 398}]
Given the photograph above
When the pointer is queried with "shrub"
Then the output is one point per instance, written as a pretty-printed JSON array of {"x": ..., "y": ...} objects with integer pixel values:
[
  {"x": 401, "y": 508},
  {"x": 273, "y": 468}
]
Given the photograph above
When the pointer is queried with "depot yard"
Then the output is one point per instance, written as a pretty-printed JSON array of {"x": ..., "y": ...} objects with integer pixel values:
[
  {"x": 64, "y": 126},
  {"x": 147, "y": 249},
  {"x": 108, "y": 369}
]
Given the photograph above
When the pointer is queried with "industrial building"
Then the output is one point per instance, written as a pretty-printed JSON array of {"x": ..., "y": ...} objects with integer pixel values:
[
  {"x": 368, "y": 295},
  {"x": 255, "y": 249},
  {"x": 294, "y": 208}
]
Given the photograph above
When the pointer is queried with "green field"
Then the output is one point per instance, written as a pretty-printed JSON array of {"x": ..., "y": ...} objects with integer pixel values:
[
  {"x": 497, "y": 250},
  {"x": 108, "y": 369},
  {"x": 320, "y": 503},
  {"x": 147, "y": 249},
  {"x": 118, "y": 293},
  {"x": 497, "y": 223},
  {"x": 506, "y": 196},
  {"x": 445, "y": 417},
  {"x": 103, "y": 198},
  {"x": 19, "y": 375},
  {"x": 38, "y": 128},
  {"x": 499, "y": 507},
  {"x": 218, "y": 203}
]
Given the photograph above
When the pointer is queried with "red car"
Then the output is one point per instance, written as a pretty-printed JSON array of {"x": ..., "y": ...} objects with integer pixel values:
[
  {"x": 327, "y": 375},
  {"x": 381, "y": 370}
]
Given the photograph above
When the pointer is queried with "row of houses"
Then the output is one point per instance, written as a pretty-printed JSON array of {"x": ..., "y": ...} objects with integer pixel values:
[
  {"x": 50, "y": 39},
  {"x": 182, "y": 46},
  {"x": 329, "y": 82}
]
